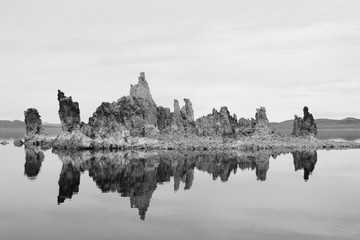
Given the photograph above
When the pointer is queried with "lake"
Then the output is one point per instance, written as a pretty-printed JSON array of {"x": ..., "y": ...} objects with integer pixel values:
[{"x": 180, "y": 195}]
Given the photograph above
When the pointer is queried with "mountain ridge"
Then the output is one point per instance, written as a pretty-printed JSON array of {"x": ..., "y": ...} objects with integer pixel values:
[{"x": 21, "y": 124}]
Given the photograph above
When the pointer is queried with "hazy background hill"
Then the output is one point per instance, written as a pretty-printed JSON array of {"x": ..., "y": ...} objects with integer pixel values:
[
  {"x": 21, "y": 124},
  {"x": 16, "y": 129},
  {"x": 321, "y": 123},
  {"x": 346, "y": 129}
]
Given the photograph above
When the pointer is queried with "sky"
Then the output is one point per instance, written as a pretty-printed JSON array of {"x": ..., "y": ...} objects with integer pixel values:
[{"x": 280, "y": 54}]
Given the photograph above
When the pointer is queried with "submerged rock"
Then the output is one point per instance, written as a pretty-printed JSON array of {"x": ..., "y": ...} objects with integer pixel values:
[{"x": 304, "y": 126}]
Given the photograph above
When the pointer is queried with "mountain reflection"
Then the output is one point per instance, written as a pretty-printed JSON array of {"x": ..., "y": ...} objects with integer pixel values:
[
  {"x": 34, "y": 157},
  {"x": 136, "y": 174},
  {"x": 305, "y": 160}
]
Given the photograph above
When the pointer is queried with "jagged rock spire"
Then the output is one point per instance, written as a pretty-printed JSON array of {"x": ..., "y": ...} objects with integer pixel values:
[
  {"x": 69, "y": 112},
  {"x": 304, "y": 126},
  {"x": 141, "y": 89}
]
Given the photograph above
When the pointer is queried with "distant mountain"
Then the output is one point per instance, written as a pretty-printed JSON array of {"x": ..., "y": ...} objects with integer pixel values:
[
  {"x": 322, "y": 123},
  {"x": 21, "y": 124}
]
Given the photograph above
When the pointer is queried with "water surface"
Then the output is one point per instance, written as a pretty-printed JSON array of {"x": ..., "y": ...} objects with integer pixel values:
[{"x": 194, "y": 195}]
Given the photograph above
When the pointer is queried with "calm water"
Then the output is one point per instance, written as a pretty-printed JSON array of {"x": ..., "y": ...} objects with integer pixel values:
[{"x": 113, "y": 195}]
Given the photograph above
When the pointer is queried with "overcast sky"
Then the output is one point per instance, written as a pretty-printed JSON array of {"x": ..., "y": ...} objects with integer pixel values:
[{"x": 281, "y": 54}]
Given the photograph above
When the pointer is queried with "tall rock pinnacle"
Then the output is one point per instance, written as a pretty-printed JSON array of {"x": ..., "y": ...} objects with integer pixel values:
[
  {"x": 141, "y": 89},
  {"x": 69, "y": 112},
  {"x": 33, "y": 124}
]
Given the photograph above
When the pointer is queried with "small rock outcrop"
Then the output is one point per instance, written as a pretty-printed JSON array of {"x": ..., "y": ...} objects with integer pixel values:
[
  {"x": 33, "y": 124},
  {"x": 18, "y": 143},
  {"x": 304, "y": 126},
  {"x": 35, "y": 133},
  {"x": 69, "y": 113},
  {"x": 262, "y": 124}
]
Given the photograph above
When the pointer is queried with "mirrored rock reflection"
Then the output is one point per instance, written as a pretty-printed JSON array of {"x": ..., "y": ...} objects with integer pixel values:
[
  {"x": 136, "y": 174},
  {"x": 34, "y": 157},
  {"x": 305, "y": 160}
]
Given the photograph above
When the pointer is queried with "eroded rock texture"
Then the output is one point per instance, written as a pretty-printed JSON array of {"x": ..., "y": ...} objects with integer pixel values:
[
  {"x": 304, "y": 126},
  {"x": 73, "y": 135},
  {"x": 262, "y": 123},
  {"x": 134, "y": 115},
  {"x": 69, "y": 113},
  {"x": 217, "y": 123},
  {"x": 33, "y": 125}
]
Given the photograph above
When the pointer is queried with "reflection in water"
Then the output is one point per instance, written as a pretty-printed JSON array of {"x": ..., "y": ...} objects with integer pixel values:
[
  {"x": 305, "y": 160},
  {"x": 34, "y": 157},
  {"x": 69, "y": 182},
  {"x": 136, "y": 175}
]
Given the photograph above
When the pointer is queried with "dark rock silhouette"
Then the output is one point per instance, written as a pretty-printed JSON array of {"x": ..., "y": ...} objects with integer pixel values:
[
  {"x": 304, "y": 126},
  {"x": 305, "y": 160},
  {"x": 34, "y": 157}
]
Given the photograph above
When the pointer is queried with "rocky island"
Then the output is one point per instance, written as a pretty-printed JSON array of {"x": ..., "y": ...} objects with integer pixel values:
[{"x": 136, "y": 122}]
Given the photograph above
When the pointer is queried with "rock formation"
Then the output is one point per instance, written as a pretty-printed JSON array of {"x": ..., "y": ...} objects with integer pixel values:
[
  {"x": 217, "y": 123},
  {"x": 69, "y": 113},
  {"x": 262, "y": 123},
  {"x": 304, "y": 126},
  {"x": 187, "y": 111},
  {"x": 72, "y": 136},
  {"x": 35, "y": 133},
  {"x": 135, "y": 121},
  {"x": 33, "y": 124}
]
